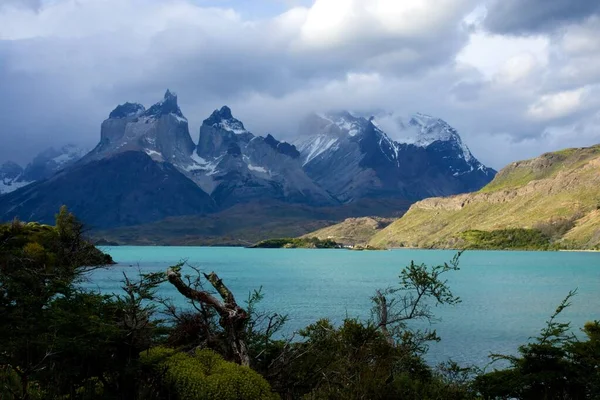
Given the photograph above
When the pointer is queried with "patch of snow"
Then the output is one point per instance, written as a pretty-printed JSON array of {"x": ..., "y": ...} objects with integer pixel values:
[
  {"x": 63, "y": 158},
  {"x": 200, "y": 164},
  {"x": 232, "y": 125},
  {"x": 257, "y": 169},
  {"x": 317, "y": 146},
  {"x": 69, "y": 153},
  {"x": 180, "y": 119},
  {"x": 7, "y": 186},
  {"x": 393, "y": 146},
  {"x": 430, "y": 129},
  {"x": 153, "y": 153}
]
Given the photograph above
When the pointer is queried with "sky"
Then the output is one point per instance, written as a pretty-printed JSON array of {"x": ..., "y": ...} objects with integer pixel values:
[{"x": 516, "y": 78}]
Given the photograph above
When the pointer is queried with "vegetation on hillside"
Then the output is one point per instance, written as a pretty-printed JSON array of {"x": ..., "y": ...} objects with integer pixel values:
[
  {"x": 505, "y": 239},
  {"x": 59, "y": 341},
  {"x": 557, "y": 194},
  {"x": 297, "y": 243}
]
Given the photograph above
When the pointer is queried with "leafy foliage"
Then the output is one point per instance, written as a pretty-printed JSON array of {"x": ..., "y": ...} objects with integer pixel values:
[
  {"x": 555, "y": 366},
  {"x": 504, "y": 239},
  {"x": 205, "y": 375}
]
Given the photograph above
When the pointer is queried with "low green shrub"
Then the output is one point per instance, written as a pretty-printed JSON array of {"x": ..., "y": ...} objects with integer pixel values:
[{"x": 205, "y": 375}]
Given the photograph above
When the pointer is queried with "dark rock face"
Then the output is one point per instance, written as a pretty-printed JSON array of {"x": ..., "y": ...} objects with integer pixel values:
[
  {"x": 235, "y": 166},
  {"x": 352, "y": 158},
  {"x": 127, "y": 110},
  {"x": 282, "y": 147},
  {"x": 126, "y": 189}
]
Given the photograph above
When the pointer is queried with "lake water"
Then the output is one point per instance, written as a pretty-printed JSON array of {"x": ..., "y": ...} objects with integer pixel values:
[{"x": 506, "y": 296}]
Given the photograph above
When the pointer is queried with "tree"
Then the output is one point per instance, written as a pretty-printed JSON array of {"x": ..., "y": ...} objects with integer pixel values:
[
  {"x": 556, "y": 365},
  {"x": 395, "y": 307},
  {"x": 232, "y": 318},
  {"x": 55, "y": 338}
]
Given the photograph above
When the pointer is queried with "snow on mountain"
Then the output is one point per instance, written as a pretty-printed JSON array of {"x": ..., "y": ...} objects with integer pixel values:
[
  {"x": 44, "y": 165},
  {"x": 423, "y": 130},
  {"x": 352, "y": 157},
  {"x": 234, "y": 165},
  {"x": 10, "y": 173},
  {"x": 333, "y": 128}
]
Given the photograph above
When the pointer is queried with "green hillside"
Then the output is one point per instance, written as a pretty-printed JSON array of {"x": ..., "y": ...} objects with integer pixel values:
[{"x": 553, "y": 200}]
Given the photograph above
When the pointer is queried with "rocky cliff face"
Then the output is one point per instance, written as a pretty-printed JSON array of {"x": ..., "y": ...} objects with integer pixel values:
[
  {"x": 235, "y": 166},
  {"x": 161, "y": 132},
  {"x": 352, "y": 158}
]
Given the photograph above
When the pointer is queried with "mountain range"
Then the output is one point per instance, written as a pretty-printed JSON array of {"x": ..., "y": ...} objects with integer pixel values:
[
  {"x": 146, "y": 168},
  {"x": 44, "y": 165}
]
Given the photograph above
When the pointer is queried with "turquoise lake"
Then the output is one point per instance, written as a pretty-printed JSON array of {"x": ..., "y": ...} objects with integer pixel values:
[{"x": 506, "y": 296}]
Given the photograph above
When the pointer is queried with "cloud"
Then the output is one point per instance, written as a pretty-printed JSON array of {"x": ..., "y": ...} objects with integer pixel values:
[
  {"x": 86, "y": 56},
  {"x": 526, "y": 17},
  {"x": 557, "y": 105},
  {"x": 68, "y": 63}
]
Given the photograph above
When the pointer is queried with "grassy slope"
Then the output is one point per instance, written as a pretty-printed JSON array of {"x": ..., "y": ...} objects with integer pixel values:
[
  {"x": 564, "y": 184},
  {"x": 352, "y": 230},
  {"x": 243, "y": 224}
]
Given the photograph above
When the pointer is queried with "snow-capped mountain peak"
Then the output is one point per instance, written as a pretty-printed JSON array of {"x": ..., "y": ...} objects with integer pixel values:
[
  {"x": 334, "y": 128},
  {"x": 223, "y": 119},
  {"x": 430, "y": 130}
]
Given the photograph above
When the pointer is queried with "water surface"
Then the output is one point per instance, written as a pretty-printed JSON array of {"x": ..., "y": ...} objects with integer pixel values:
[{"x": 506, "y": 296}]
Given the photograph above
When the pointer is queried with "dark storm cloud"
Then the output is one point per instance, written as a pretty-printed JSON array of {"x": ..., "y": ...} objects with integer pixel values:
[{"x": 521, "y": 17}]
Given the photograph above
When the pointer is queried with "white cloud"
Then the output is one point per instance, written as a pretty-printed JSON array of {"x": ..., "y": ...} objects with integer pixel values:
[
  {"x": 517, "y": 68},
  {"x": 333, "y": 23},
  {"x": 557, "y": 105},
  {"x": 489, "y": 53}
]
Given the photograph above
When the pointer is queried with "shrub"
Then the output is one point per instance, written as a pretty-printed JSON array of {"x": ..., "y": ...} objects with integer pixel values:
[{"x": 205, "y": 375}]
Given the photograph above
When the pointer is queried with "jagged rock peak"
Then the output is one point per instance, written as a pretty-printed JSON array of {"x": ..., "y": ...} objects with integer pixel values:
[
  {"x": 127, "y": 110},
  {"x": 282, "y": 147},
  {"x": 168, "y": 105},
  {"x": 223, "y": 119}
]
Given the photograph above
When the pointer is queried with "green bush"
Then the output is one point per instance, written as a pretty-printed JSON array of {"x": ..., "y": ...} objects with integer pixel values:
[
  {"x": 205, "y": 375},
  {"x": 505, "y": 239}
]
